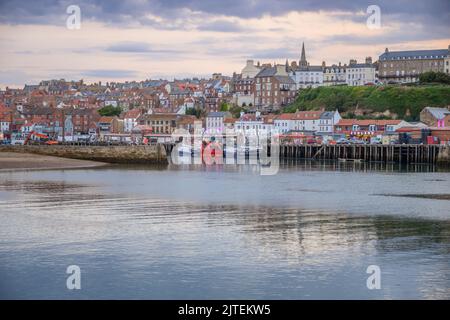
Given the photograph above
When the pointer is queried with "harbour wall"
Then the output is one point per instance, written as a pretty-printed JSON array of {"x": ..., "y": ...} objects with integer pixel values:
[{"x": 153, "y": 154}]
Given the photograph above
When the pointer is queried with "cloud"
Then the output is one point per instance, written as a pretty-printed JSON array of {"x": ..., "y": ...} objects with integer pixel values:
[
  {"x": 143, "y": 49},
  {"x": 221, "y": 26},
  {"x": 109, "y": 73},
  {"x": 173, "y": 37},
  {"x": 119, "y": 11},
  {"x": 137, "y": 47}
]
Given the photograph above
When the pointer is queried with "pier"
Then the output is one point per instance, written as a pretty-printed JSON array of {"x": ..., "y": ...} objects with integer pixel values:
[{"x": 398, "y": 153}]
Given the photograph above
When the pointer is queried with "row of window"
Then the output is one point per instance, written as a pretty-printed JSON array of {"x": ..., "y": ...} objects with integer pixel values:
[
  {"x": 416, "y": 57},
  {"x": 307, "y": 79},
  {"x": 431, "y": 63},
  {"x": 334, "y": 70},
  {"x": 263, "y": 80},
  {"x": 158, "y": 122},
  {"x": 357, "y": 76},
  {"x": 275, "y": 100},
  {"x": 397, "y": 72},
  {"x": 255, "y": 126},
  {"x": 372, "y": 128}
]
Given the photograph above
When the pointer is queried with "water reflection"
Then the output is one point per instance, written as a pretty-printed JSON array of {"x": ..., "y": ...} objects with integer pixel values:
[{"x": 149, "y": 235}]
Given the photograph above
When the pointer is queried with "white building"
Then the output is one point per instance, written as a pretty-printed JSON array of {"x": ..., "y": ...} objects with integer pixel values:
[
  {"x": 4, "y": 125},
  {"x": 315, "y": 121},
  {"x": 130, "y": 120},
  {"x": 360, "y": 74},
  {"x": 215, "y": 122},
  {"x": 248, "y": 122},
  {"x": 283, "y": 122},
  {"x": 306, "y": 120},
  {"x": 327, "y": 121},
  {"x": 307, "y": 77},
  {"x": 335, "y": 75}
]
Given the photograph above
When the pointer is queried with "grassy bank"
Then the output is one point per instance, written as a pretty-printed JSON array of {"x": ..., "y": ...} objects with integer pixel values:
[{"x": 380, "y": 101}]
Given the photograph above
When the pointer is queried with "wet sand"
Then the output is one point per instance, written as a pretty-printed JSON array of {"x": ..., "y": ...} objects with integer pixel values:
[
  {"x": 444, "y": 196},
  {"x": 10, "y": 161}
]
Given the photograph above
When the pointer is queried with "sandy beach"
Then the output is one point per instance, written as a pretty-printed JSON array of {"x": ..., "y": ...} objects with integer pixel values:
[{"x": 24, "y": 161}]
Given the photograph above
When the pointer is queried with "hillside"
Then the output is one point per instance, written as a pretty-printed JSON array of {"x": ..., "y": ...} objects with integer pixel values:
[{"x": 373, "y": 101}]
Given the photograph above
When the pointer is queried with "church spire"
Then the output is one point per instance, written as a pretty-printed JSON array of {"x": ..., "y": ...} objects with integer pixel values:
[{"x": 303, "y": 62}]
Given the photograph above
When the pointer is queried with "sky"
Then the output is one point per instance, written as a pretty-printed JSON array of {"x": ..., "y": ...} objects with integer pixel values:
[{"x": 136, "y": 39}]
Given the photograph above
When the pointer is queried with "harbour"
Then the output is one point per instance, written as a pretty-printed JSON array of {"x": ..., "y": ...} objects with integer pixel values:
[{"x": 216, "y": 232}]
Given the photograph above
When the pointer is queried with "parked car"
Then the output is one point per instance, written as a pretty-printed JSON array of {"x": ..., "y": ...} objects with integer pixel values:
[
  {"x": 357, "y": 141},
  {"x": 342, "y": 141}
]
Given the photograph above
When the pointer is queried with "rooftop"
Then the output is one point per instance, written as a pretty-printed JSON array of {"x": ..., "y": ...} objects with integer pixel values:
[
  {"x": 438, "y": 113},
  {"x": 415, "y": 54}
]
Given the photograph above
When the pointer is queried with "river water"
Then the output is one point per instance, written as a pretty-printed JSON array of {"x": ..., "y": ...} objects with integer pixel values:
[{"x": 226, "y": 232}]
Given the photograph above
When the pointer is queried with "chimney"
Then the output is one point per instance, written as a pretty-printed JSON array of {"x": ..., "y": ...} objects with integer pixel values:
[
  {"x": 281, "y": 69},
  {"x": 387, "y": 50},
  {"x": 368, "y": 60},
  {"x": 249, "y": 62},
  {"x": 323, "y": 64},
  {"x": 339, "y": 64}
]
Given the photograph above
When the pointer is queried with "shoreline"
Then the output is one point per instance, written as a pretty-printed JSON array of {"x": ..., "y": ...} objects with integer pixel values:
[{"x": 12, "y": 161}]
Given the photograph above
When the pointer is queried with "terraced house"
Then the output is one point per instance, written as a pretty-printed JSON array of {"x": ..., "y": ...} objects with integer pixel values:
[
  {"x": 361, "y": 74},
  {"x": 160, "y": 123},
  {"x": 406, "y": 66},
  {"x": 274, "y": 88}
]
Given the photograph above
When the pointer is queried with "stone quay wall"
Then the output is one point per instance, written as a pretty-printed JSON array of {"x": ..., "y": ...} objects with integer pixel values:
[{"x": 153, "y": 154}]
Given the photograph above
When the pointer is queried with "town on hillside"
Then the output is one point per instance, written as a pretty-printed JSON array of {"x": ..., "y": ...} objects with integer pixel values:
[{"x": 252, "y": 101}]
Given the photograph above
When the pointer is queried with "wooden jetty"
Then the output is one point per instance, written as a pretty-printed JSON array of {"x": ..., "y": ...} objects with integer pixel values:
[{"x": 397, "y": 153}]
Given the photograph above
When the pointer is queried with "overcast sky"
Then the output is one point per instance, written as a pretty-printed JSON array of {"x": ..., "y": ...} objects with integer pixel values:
[{"x": 136, "y": 39}]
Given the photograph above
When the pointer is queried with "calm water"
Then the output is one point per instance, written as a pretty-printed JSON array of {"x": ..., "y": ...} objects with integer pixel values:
[{"x": 226, "y": 232}]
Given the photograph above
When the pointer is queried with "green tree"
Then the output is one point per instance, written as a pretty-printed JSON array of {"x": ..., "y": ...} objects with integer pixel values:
[
  {"x": 434, "y": 77},
  {"x": 403, "y": 101},
  {"x": 195, "y": 112},
  {"x": 110, "y": 111},
  {"x": 224, "y": 107},
  {"x": 235, "y": 111}
]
